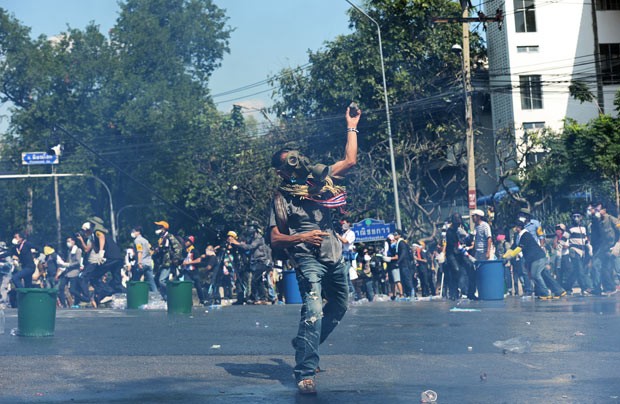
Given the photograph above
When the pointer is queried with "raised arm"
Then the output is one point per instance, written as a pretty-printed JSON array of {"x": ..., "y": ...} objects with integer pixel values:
[{"x": 350, "y": 150}]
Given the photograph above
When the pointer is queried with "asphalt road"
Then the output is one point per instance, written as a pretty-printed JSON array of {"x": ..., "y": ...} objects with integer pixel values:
[{"x": 382, "y": 352}]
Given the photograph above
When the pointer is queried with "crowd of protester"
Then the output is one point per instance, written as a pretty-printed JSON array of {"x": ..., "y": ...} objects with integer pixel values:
[
  {"x": 580, "y": 257},
  {"x": 94, "y": 267}
]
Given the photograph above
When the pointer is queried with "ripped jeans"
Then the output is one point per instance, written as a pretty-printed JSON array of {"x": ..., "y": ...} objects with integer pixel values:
[{"x": 317, "y": 280}]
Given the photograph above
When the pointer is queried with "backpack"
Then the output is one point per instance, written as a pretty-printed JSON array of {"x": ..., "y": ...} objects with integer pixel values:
[
  {"x": 279, "y": 206},
  {"x": 177, "y": 252}
]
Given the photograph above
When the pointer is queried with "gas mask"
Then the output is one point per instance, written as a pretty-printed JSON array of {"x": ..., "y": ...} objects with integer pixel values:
[{"x": 299, "y": 169}]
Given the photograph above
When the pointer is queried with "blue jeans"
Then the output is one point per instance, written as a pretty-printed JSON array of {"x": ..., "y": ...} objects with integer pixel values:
[
  {"x": 369, "y": 285},
  {"x": 550, "y": 281},
  {"x": 164, "y": 276},
  {"x": 536, "y": 269},
  {"x": 602, "y": 271},
  {"x": 147, "y": 271},
  {"x": 317, "y": 321},
  {"x": 578, "y": 273}
]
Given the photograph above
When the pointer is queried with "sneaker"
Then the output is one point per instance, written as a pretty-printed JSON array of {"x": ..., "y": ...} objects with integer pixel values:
[
  {"x": 75, "y": 306},
  {"x": 306, "y": 386},
  {"x": 546, "y": 297}
]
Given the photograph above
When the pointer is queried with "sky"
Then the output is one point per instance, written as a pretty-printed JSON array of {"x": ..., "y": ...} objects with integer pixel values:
[{"x": 269, "y": 35}]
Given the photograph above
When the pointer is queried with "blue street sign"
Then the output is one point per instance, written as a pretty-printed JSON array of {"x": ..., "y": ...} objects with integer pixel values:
[
  {"x": 372, "y": 230},
  {"x": 32, "y": 158}
]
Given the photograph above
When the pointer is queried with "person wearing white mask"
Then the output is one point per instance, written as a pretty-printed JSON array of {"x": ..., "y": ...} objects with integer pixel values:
[
  {"x": 68, "y": 274},
  {"x": 144, "y": 260},
  {"x": 23, "y": 251},
  {"x": 347, "y": 238}
]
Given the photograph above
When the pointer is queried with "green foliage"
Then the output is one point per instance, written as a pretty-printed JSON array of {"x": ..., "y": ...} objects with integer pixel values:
[
  {"x": 580, "y": 91},
  {"x": 595, "y": 147},
  {"x": 139, "y": 100},
  {"x": 424, "y": 98}
]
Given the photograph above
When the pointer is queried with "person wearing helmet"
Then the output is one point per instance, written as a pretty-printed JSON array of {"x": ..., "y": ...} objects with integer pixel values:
[
  {"x": 239, "y": 260},
  {"x": 259, "y": 253}
]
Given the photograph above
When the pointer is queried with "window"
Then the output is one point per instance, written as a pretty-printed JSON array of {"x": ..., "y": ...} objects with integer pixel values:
[
  {"x": 525, "y": 16},
  {"x": 610, "y": 62},
  {"x": 531, "y": 92},
  {"x": 533, "y": 156},
  {"x": 527, "y": 49},
  {"x": 607, "y": 5},
  {"x": 529, "y": 127}
]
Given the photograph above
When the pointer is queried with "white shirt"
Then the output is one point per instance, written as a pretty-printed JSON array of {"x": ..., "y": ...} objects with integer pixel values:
[{"x": 349, "y": 235}]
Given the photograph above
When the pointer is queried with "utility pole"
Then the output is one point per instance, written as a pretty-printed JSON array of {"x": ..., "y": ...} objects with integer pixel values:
[
  {"x": 57, "y": 203},
  {"x": 466, "y": 71},
  {"x": 471, "y": 161},
  {"x": 387, "y": 118}
]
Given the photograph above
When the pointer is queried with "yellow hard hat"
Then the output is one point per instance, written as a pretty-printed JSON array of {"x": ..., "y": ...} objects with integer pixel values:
[{"x": 232, "y": 234}]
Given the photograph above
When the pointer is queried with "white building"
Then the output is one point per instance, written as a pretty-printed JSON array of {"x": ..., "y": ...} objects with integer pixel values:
[{"x": 541, "y": 48}]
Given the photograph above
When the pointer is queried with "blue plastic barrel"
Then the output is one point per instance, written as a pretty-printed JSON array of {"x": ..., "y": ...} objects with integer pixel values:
[
  {"x": 490, "y": 280},
  {"x": 291, "y": 288}
]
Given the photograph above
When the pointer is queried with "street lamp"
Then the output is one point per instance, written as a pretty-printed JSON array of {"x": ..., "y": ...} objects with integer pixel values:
[
  {"x": 387, "y": 115},
  {"x": 471, "y": 162}
]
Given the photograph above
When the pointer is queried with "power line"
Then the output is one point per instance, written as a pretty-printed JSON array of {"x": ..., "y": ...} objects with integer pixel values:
[{"x": 125, "y": 173}]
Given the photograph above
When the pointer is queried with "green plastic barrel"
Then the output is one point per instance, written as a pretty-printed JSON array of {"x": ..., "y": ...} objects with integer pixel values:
[
  {"x": 36, "y": 312},
  {"x": 179, "y": 297},
  {"x": 137, "y": 294}
]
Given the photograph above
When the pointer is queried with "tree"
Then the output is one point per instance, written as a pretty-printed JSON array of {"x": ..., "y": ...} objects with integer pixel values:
[
  {"x": 422, "y": 79},
  {"x": 129, "y": 109},
  {"x": 532, "y": 169},
  {"x": 596, "y": 145}
]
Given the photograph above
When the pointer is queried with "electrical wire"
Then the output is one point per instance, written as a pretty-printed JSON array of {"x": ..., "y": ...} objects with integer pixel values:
[{"x": 120, "y": 170}]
